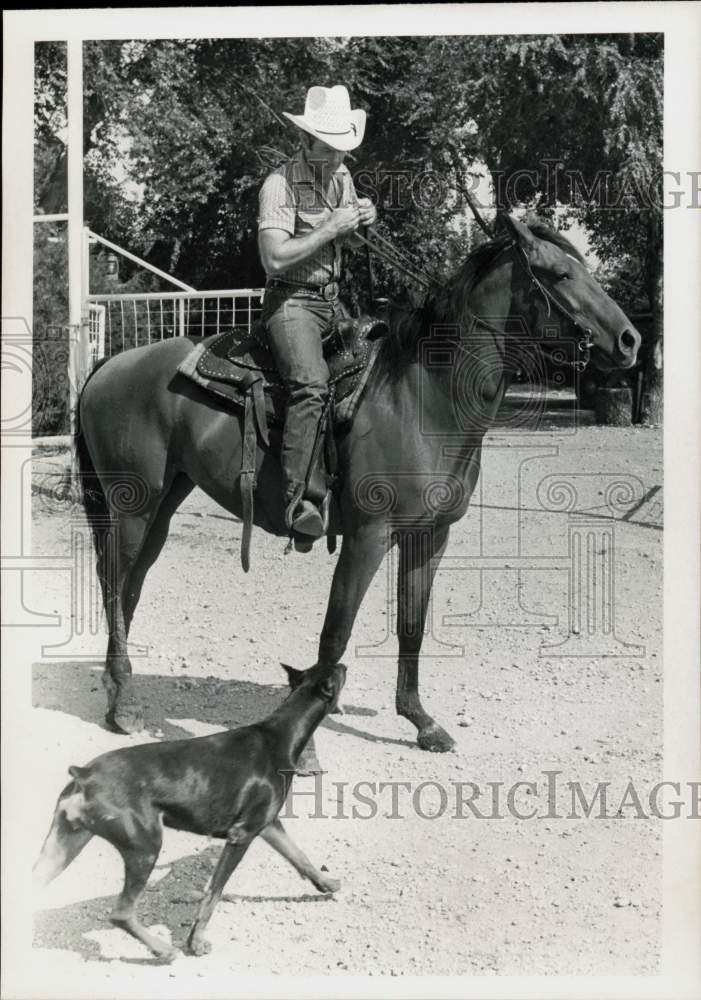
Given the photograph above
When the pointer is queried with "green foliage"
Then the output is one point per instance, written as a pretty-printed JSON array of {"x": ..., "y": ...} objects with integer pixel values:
[
  {"x": 176, "y": 134},
  {"x": 180, "y": 134},
  {"x": 50, "y": 351}
]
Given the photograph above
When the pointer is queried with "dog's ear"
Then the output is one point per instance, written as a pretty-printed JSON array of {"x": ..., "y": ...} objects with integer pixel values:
[
  {"x": 79, "y": 773},
  {"x": 294, "y": 676}
]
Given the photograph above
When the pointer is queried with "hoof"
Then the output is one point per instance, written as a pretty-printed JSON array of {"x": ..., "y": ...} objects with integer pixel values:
[
  {"x": 435, "y": 739},
  {"x": 199, "y": 946},
  {"x": 126, "y": 718},
  {"x": 328, "y": 885}
]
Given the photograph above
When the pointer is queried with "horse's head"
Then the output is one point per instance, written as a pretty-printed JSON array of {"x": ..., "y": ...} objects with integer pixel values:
[{"x": 573, "y": 292}]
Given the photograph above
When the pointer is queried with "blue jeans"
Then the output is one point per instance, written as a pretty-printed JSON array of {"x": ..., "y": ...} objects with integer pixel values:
[{"x": 295, "y": 322}]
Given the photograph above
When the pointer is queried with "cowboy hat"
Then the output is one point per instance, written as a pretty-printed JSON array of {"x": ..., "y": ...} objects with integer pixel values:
[{"x": 328, "y": 116}]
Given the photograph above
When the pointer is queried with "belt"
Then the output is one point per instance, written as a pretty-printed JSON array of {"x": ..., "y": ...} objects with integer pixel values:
[{"x": 328, "y": 292}]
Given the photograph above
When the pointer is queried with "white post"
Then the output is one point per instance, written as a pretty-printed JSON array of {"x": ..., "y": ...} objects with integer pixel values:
[
  {"x": 181, "y": 313},
  {"x": 76, "y": 251}
]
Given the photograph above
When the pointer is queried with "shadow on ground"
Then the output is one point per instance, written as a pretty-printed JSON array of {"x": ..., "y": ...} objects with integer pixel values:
[
  {"x": 75, "y": 688},
  {"x": 173, "y": 902}
]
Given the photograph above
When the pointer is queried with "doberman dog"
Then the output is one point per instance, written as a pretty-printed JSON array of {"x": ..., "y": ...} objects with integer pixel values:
[{"x": 231, "y": 785}]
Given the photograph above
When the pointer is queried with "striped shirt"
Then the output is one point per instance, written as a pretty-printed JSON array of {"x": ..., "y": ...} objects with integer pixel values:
[{"x": 290, "y": 200}]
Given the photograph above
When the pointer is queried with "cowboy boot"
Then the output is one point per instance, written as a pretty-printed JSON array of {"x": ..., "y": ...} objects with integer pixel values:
[
  {"x": 305, "y": 521},
  {"x": 307, "y": 503}
]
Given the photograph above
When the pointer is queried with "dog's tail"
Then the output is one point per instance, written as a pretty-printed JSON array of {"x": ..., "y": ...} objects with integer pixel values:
[{"x": 67, "y": 836}]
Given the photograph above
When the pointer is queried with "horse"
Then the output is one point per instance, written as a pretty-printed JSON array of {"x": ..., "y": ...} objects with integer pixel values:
[{"x": 146, "y": 436}]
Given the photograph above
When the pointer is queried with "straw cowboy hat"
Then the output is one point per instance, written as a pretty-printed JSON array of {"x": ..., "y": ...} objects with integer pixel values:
[{"x": 328, "y": 116}]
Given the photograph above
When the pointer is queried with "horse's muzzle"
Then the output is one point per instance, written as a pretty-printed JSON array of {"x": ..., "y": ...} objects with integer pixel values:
[{"x": 627, "y": 345}]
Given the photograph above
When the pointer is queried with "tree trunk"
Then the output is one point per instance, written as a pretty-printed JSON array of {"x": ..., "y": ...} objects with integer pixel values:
[
  {"x": 651, "y": 403},
  {"x": 614, "y": 407}
]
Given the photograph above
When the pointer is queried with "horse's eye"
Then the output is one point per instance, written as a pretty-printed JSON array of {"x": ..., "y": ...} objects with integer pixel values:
[{"x": 562, "y": 276}]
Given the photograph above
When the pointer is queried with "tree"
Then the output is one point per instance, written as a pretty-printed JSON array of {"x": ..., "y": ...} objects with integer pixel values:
[
  {"x": 578, "y": 121},
  {"x": 180, "y": 134}
]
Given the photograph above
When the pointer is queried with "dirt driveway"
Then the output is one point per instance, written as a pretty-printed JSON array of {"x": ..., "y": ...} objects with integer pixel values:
[{"x": 452, "y": 895}]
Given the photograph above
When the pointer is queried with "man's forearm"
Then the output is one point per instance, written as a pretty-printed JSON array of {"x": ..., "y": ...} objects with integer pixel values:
[{"x": 294, "y": 250}]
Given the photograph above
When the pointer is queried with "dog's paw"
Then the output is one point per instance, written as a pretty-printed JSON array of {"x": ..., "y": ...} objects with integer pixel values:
[
  {"x": 327, "y": 884},
  {"x": 169, "y": 955}
]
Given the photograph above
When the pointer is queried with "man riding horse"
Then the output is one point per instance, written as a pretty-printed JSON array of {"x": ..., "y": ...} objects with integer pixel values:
[{"x": 308, "y": 209}]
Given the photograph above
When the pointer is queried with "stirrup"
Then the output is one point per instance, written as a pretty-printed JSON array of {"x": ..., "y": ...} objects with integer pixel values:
[{"x": 308, "y": 520}]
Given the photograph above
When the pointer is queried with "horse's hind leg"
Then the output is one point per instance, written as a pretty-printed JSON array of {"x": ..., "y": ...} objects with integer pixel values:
[
  {"x": 154, "y": 541},
  {"x": 118, "y": 554},
  {"x": 419, "y": 555},
  {"x": 129, "y": 550}
]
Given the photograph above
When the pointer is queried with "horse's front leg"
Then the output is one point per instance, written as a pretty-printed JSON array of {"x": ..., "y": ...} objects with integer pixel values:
[
  {"x": 420, "y": 552},
  {"x": 362, "y": 552}
]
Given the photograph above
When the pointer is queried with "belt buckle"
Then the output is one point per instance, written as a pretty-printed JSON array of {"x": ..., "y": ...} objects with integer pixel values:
[{"x": 330, "y": 291}]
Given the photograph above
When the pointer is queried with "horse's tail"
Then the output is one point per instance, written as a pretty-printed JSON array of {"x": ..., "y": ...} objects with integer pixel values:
[{"x": 91, "y": 492}]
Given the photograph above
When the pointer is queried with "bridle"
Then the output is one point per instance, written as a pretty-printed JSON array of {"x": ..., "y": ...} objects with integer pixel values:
[
  {"x": 403, "y": 263},
  {"x": 388, "y": 252},
  {"x": 586, "y": 342}
]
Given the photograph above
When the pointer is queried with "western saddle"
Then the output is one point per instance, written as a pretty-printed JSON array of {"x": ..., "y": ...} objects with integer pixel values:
[{"x": 237, "y": 366}]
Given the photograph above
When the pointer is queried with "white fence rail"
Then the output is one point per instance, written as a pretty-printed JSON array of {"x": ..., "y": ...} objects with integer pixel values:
[
  {"x": 121, "y": 321},
  {"x": 96, "y": 333},
  {"x": 115, "y": 322}
]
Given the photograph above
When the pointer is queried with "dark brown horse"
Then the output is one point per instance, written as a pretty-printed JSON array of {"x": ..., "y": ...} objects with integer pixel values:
[{"x": 148, "y": 436}]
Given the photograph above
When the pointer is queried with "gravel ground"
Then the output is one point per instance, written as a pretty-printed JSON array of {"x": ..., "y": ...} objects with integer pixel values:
[{"x": 451, "y": 895}]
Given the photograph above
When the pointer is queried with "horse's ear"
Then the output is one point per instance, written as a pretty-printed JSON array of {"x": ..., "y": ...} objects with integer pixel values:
[
  {"x": 521, "y": 233},
  {"x": 294, "y": 676}
]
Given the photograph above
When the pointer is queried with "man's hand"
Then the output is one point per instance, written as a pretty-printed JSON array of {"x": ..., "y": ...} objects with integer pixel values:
[
  {"x": 368, "y": 212},
  {"x": 343, "y": 221}
]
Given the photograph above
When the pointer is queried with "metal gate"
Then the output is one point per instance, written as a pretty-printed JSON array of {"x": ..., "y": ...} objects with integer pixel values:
[
  {"x": 119, "y": 321},
  {"x": 122, "y": 321}
]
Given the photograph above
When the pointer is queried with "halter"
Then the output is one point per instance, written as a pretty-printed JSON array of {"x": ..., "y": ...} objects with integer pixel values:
[
  {"x": 584, "y": 345},
  {"x": 401, "y": 262}
]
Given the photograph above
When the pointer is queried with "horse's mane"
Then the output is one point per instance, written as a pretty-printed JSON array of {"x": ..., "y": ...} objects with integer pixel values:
[
  {"x": 450, "y": 304},
  {"x": 544, "y": 232}
]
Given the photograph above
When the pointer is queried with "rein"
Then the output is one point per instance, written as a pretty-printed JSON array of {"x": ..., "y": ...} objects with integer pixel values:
[
  {"x": 401, "y": 262},
  {"x": 390, "y": 254}
]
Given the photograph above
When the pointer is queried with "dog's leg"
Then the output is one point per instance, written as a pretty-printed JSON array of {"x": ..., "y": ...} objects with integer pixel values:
[
  {"x": 278, "y": 838},
  {"x": 233, "y": 851},
  {"x": 139, "y": 861},
  {"x": 63, "y": 843}
]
